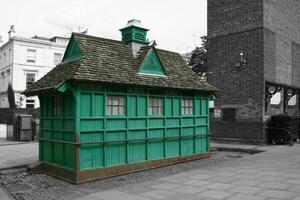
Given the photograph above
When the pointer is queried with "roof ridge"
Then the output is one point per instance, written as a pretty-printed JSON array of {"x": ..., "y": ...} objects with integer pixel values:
[{"x": 98, "y": 38}]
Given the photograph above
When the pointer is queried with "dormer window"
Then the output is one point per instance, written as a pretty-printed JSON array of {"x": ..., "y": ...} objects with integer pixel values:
[{"x": 152, "y": 64}]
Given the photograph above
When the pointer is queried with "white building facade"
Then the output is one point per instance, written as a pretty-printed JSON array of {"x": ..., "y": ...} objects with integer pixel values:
[{"x": 24, "y": 61}]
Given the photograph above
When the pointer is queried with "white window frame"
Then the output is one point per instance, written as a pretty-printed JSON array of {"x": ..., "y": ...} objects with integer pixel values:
[
  {"x": 56, "y": 106},
  {"x": 31, "y": 58},
  {"x": 30, "y": 102},
  {"x": 115, "y": 105},
  {"x": 155, "y": 106},
  {"x": 26, "y": 74},
  {"x": 55, "y": 60},
  {"x": 187, "y": 106}
]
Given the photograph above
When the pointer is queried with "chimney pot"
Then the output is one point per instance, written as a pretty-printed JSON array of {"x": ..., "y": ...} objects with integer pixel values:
[{"x": 11, "y": 32}]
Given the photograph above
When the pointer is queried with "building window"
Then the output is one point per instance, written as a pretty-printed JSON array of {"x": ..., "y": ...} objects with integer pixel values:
[
  {"x": 56, "y": 106},
  {"x": 187, "y": 106},
  {"x": 29, "y": 103},
  {"x": 293, "y": 101},
  {"x": 57, "y": 58},
  {"x": 31, "y": 55},
  {"x": 115, "y": 105},
  {"x": 30, "y": 79},
  {"x": 155, "y": 106},
  {"x": 276, "y": 99}
]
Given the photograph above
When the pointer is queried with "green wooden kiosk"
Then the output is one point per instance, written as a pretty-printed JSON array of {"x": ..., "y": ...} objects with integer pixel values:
[{"x": 114, "y": 107}]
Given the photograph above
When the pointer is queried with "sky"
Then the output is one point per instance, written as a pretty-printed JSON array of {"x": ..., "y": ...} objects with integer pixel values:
[{"x": 175, "y": 25}]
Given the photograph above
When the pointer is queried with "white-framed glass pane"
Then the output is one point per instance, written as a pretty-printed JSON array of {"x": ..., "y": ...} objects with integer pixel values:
[
  {"x": 31, "y": 55},
  {"x": 115, "y": 110},
  {"x": 187, "y": 106},
  {"x": 155, "y": 106},
  {"x": 30, "y": 79},
  {"x": 115, "y": 105},
  {"x": 57, "y": 58},
  {"x": 276, "y": 99},
  {"x": 108, "y": 110},
  {"x": 293, "y": 101},
  {"x": 121, "y": 100},
  {"x": 121, "y": 110}
]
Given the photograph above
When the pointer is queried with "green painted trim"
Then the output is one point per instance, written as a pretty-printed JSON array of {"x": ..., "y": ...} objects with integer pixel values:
[
  {"x": 152, "y": 64},
  {"x": 73, "y": 51}
]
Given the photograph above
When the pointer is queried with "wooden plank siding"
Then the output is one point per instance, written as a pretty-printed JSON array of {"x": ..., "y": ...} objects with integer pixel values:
[{"x": 108, "y": 140}]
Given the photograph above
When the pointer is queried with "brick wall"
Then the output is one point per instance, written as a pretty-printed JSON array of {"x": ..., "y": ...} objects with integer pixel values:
[
  {"x": 268, "y": 32},
  {"x": 240, "y": 87},
  {"x": 231, "y": 16}
]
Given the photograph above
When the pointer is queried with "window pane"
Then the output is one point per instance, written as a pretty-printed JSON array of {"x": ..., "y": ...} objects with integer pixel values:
[
  {"x": 276, "y": 99},
  {"x": 108, "y": 110},
  {"x": 293, "y": 101},
  {"x": 57, "y": 58},
  {"x": 150, "y": 110},
  {"x": 160, "y": 102},
  {"x": 121, "y": 100},
  {"x": 155, "y": 106},
  {"x": 115, "y": 110},
  {"x": 121, "y": 110},
  {"x": 115, "y": 101},
  {"x": 160, "y": 110}
]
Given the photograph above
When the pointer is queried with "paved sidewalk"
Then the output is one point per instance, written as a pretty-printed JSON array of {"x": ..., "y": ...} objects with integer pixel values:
[
  {"x": 271, "y": 175},
  {"x": 14, "y": 155}
]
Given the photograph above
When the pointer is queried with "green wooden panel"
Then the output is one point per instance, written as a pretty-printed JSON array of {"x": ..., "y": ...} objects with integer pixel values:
[
  {"x": 201, "y": 130},
  {"x": 137, "y": 149},
  {"x": 204, "y": 107},
  {"x": 48, "y": 102},
  {"x": 188, "y": 121},
  {"x": 57, "y": 124},
  {"x": 154, "y": 123},
  {"x": 69, "y": 156},
  {"x": 115, "y": 124},
  {"x": 98, "y": 104},
  {"x": 91, "y": 125},
  {"x": 187, "y": 144},
  {"x": 86, "y": 105},
  {"x": 168, "y": 106},
  {"x": 68, "y": 124},
  {"x": 46, "y": 123},
  {"x": 155, "y": 147},
  {"x": 46, "y": 151},
  {"x": 176, "y": 107},
  {"x": 187, "y": 131},
  {"x": 132, "y": 104},
  {"x": 197, "y": 107},
  {"x": 46, "y": 134},
  {"x": 55, "y": 152},
  {"x": 201, "y": 145},
  {"x": 173, "y": 122},
  {"x": 137, "y": 123},
  {"x": 58, "y": 153},
  {"x": 68, "y": 136},
  {"x": 91, "y": 155},
  {"x": 151, "y": 64},
  {"x": 115, "y": 152},
  {"x": 201, "y": 121},
  {"x": 172, "y": 145},
  {"x": 142, "y": 106}
]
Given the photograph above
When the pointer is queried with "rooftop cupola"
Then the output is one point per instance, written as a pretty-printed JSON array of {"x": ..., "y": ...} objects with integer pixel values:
[{"x": 135, "y": 35}]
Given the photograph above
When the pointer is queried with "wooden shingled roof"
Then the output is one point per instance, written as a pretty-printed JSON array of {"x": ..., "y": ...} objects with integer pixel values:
[{"x": 110, "y": 61}]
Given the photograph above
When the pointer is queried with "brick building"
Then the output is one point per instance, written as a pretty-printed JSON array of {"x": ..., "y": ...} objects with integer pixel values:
[{"x": 254, "y": 60}]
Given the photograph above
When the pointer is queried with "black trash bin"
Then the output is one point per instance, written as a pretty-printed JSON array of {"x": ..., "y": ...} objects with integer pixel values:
[{"x": 283, "y": 128}]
